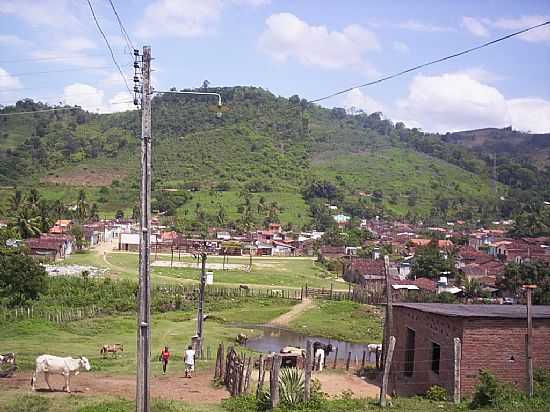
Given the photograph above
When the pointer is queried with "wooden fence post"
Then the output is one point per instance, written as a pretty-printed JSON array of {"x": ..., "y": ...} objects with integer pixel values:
[
  {"x": 307, "y": 373},
  {"x": 387, "y": 366},
  {"x": 458, "y": 357},
  {"x": 274, "y": 380},
  {"x": 363, "y": 360},
  {"x": 248, "y": 372},
  {"x": 348, "y": 361},
  {"x": 335, "y": 358},
  {"x": 261, "y": 376}
]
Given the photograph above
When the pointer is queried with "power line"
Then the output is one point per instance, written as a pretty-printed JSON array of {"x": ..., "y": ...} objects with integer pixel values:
[
  {"x": 109, "y": 46},
  {"x": 420, "y": 66},
  {"x": 55, "y": 71},
  {"x": 122, "y": 29}
]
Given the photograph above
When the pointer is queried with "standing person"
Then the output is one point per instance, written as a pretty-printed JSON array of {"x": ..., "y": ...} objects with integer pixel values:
[
  {"x": 189, "y": 359},
  {"x": 164, "y": 357}
]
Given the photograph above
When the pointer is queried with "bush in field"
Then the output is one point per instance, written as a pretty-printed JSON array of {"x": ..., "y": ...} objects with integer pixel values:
[
  {"x": 437, "y": 393},
  {"x": 490, "y": 392}
]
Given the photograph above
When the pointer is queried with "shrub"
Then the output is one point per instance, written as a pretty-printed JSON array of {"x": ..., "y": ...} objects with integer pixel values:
[
  {"x": 437, "y": 393},
  {"x": 492, "y": 393},
  {"x": 291, "y": 386}
]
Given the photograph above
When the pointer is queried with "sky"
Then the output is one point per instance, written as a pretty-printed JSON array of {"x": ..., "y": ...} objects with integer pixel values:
[{"x": 52, "y": 51}]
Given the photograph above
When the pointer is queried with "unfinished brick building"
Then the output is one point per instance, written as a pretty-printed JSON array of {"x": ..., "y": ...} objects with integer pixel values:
[{"x": 493, "y": 337}]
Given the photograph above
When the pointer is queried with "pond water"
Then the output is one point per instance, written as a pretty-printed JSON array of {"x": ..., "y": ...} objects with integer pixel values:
[{"x": 272, "y": 339}]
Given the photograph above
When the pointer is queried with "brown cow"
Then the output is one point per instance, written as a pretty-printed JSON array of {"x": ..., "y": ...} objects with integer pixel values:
[{"x": 114, "y": 349}]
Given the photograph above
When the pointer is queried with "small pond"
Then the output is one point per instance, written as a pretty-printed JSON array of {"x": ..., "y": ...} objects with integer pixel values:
[{"x": 272, "y": 339}]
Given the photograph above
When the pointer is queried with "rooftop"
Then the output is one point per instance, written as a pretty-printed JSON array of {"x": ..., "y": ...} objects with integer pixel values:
[{"x": 482, "y": 311}]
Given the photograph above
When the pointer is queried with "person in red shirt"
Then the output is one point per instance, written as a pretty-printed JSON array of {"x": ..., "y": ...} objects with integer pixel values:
[{"x": 164, "y": 357}]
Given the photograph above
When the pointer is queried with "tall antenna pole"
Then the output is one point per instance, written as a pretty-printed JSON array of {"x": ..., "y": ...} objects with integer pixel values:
[
  {"x": 495, "y": 173},
  {"x": 143, "y": 398}
]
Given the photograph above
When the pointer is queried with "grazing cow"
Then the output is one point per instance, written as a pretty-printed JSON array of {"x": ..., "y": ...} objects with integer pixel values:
[
  {"x": 114, "y": 349},
  {"x": 242, "y": 339},
  {"x": 49, "y": 364},
  {"x": 7, "y": 358}
]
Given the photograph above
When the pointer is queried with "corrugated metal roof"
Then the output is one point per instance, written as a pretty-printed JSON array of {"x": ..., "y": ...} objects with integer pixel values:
[{"x": 482, "y": 311}]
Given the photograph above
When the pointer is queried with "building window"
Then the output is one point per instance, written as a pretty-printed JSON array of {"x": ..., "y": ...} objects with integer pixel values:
[
  {"x": 436, "y": 355},
  {"x": 409, "y": 352}
]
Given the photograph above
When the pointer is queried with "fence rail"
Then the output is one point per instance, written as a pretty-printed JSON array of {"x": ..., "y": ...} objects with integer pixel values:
[
  {"x": 357, "y": 294},
  {"x": 52, "y": 315}
]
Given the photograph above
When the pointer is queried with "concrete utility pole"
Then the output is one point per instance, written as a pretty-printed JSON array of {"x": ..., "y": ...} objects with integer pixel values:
[
  {"x": 388, "y": 326},
  {"x": 200, "y": 315},
  {"x": 530, "y": 289},
  {"x": 143, "y": 398}
]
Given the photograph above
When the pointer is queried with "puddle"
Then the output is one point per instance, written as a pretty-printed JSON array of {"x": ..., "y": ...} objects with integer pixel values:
[{"x": 273, "y": 338}]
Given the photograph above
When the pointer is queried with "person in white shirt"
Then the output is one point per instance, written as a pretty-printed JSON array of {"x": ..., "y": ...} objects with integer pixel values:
[{"x": 189, "y": 359}]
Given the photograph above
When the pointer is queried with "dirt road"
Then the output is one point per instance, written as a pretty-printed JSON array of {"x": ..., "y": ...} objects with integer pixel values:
[{"x": 293, "y": 313}]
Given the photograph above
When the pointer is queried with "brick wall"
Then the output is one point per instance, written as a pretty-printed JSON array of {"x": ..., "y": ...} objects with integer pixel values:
[
  {"x": 428, "y": 328},
  {"x": 487, "y": 343},
  {"x": 499, "y": 345}
]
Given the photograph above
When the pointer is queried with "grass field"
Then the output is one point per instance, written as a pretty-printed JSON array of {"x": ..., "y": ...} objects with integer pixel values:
[
  {"x": 288, "y": 272},
  {"x": 342, "y": 320}
]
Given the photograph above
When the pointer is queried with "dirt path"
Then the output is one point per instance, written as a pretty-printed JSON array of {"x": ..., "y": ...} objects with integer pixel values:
[
  {"x": 293, "y": 313},
  {"x": 198, "y": 389},
  {"x": 336, "y": 383}
]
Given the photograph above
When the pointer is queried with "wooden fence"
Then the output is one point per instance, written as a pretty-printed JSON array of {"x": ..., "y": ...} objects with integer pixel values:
[
  {"x": 236, "y": 372},
  {"x": 191, "y": 292},
  {"x": 53, "y": 315},
  {"x": 357, "y": 294}
]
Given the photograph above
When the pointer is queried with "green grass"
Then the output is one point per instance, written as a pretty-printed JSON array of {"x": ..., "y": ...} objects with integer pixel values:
[
  {"x": 30, "y": 338},
  {"x": 397, "y": 172},
  {"x": 20, "y": 401},
  {"x": 342, "y": 320},
  {"x": 289, "y": 272}
]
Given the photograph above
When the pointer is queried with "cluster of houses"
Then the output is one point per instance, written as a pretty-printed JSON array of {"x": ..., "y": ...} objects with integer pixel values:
[{"x": 480, "y": 255}]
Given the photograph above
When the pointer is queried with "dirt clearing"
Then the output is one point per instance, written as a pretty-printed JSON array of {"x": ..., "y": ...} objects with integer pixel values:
[{"x": 86, "y": 177}]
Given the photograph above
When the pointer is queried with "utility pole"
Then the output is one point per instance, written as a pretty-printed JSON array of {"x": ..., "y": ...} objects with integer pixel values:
[
  {"x": 143, "y": 398},
  {"x": 388, "y": 326},
  {"x": 530, "y": 289},
  {"x": 200, "y": 315}
]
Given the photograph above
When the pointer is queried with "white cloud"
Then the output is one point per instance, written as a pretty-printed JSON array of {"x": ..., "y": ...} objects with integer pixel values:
[
  {"x": 452, "y": 102},
  {"x": 53, "y": 13},
  {"x": 286, "y": 36},
  {"x": 93, "y": 99},
  {"x": 530, "y": 114},
  {"x": 11, "y": 40},
  {"x": 416, "y": 25},
  {"x": 482, "y": 75},
  {"x": 8, "y": 82},
  {"x": 458, "y": 101},
  {"x": 541, "y": 34},
  {"x": 180, "y": 18},
  {"x": 475, "y": 26},
  {"x": 356, "y": 99},
  {"x": 400, "y": 47}
]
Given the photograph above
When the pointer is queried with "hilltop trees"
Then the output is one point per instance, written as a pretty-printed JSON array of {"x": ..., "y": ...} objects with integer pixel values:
[{"x": 429, "y": 262}]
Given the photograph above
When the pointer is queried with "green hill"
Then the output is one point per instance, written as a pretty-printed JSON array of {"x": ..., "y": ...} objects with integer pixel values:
[{"x": 265, "y": 149}]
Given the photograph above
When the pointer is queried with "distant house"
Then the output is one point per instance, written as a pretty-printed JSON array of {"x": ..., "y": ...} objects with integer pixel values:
[
  {"x": 282, "y": 249},
  {"x": 366, "y": 273},
  {"x": 50, "y": 246},
  {"x": 61, "y": 226},
  {"x": 341, "y": 219},
  {"x": 128, "y": 242},
  {"x": 332, "y": 252},
  {"x": 492, "y": 337}
]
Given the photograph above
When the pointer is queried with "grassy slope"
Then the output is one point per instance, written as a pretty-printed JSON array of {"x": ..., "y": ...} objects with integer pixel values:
[{"x": 398, "y": 171}]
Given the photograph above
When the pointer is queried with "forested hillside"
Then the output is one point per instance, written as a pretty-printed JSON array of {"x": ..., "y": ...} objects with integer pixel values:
[{"x": 267, "y": 159}]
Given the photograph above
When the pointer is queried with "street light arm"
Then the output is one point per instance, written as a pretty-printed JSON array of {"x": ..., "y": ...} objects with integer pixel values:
[{"x": 196, "y": 93}]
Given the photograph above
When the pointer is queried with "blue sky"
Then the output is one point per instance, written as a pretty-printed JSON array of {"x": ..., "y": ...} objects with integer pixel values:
[{"x": 309, "y": 48}]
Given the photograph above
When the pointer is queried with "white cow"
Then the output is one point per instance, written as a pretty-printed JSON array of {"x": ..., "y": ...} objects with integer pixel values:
[
  {"x": 373, "y": 349},
  {"x": 59, "y": 366}
]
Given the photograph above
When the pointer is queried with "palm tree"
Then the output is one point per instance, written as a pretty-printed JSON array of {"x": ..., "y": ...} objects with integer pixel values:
[
  {"x": 221, "y": 216},
  {"x": 27, "y": 225},
  {"x": 43, "y": 216},
  {"x": 82, "y": 207},
  {"x": 33, "y": 199},
  {"x": 472, "y": 288},
  {"x": 16, "y": 200}
]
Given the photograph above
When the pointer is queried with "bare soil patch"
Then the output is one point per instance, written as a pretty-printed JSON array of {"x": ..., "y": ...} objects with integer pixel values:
[
  {"x": 198, "y": 389},
  {"x": 293, "y": 313},
  {"x": 86, "y": 177}
]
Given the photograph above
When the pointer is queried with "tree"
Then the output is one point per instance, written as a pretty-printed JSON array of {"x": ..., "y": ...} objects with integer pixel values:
[
  {"x": 430, "y": 263},
  {"x": 516, "y": 275},
  {"x": 21, "y": 279},
  {"x": 33, "y": 199},
  {"x": 221, "y": 215},
  {"x": 82, "y": 208},
  {"x": 43, "y": 215},
  {"x": 27, "y": 225},
  {"x": 78, "y": 234},
  {"x": 472, "y": 288},
  {"x": 16, "y": 200}
]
